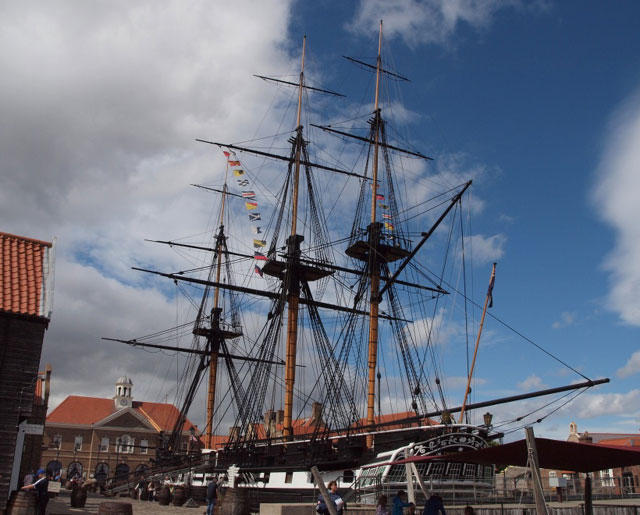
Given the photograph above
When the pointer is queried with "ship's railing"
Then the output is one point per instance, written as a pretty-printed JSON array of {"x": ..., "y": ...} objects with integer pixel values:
[{"x": 367, "y": 490}]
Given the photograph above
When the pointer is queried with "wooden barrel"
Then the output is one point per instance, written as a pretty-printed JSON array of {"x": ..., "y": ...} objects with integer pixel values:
[
  {"x": 235, "y": 502},
  {"x": 78, "y": 497},
  {"x": 115, "y": 508},
  {"x": 164, "y": 495},
  {"x": 68, "y": 485},
  {"x": 22, "y": 503},
  {"x": 179, "y": 495}
]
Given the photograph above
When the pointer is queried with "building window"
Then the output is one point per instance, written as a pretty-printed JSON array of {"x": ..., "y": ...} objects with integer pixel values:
[
  {"x": 606, "y": 478},
  {"x": 104, "y": 444},
  {"x": 77, "y": 445},
  {"x": 125, "y": 444},
  {"x": 144, "y": 446},
  {"x": 57, "y": 442},
  {"x": 288, "y": 477}
]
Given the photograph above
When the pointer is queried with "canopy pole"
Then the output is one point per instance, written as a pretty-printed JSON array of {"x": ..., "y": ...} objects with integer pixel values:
[
  {"x": 411, "y": 495},
  {"x": 323, "y": 491},
  {"x": 541, "y": 507}
]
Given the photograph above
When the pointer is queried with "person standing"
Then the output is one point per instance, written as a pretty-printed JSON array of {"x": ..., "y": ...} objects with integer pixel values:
[
  {"x": 434, "y": 506},
  {"x": 41, "y": 486},
  {"x": 212, "y": 496},
  {"x": 381, "y": 508},
  {"x": 399, "y": 503}
]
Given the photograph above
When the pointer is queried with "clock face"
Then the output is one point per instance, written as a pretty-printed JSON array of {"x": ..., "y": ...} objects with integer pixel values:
[{"x": 123, "y": 402}]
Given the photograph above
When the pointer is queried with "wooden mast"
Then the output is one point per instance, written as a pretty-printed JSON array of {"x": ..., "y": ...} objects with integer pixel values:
[
  {"x": 215, "y": 323},
  {"x": 475, "y": 351},
  {"x": 293, "y": 295},
  {"x": 374, "y": 263}
]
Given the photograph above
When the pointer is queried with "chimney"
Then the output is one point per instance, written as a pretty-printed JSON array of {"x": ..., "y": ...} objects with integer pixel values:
[
  {"x": 316, "y": 414},
  {"x": 280, "y": 417},
  {"x": 585, "y": 438},
  {"x": 270, "y": 422}
]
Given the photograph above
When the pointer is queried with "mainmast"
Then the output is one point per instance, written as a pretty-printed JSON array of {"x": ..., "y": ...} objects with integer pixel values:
[
  {"x": 293, "y": 251},
  {"x": 374, "y": 263}
]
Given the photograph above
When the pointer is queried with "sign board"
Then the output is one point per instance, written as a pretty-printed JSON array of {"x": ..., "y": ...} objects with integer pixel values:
[
  {"x": 33, "y": 429},
  {"x": 54, "y": 486}
]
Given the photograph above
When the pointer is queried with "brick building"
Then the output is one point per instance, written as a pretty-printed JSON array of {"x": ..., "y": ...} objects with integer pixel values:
[
  {"x": 26, "y": 276},
  {"x": 618, "y": 481},
  {"x": 96, "y": 437}
]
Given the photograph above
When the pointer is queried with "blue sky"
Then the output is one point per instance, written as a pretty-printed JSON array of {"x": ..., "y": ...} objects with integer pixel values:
[
  {"x": 534, "y": 93},
  {"x": 541, "y": 97}
]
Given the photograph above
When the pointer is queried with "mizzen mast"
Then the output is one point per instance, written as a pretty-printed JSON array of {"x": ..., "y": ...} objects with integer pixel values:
[{"x": 214, "y": 333}]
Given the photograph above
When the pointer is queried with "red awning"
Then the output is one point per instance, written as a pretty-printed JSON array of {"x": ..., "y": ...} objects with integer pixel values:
[{"x": 552, "y": 454}]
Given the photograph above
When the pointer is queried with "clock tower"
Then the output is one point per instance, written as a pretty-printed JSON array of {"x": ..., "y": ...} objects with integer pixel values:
[{"x": 123, "y": 397}]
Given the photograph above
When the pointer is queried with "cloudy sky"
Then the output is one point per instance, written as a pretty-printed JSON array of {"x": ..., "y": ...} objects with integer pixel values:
[{"x": 538, "y": 102}]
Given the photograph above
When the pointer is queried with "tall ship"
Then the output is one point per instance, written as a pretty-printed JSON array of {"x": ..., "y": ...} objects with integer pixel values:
[{"x": 323, "y": 296}]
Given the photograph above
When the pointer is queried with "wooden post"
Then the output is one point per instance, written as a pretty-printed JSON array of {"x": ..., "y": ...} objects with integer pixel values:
[
  {"x": 323, "y": 491},
  {"x": 541, "y": 507},
  {"x": 588, "y": 497}
]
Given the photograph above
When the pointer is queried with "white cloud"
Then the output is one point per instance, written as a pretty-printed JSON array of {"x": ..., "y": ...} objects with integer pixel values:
[
  {"x": 616, "y": 198},
  {"x": 566, "y": 319},
  {"x": 631, "y": 367},
  {"x": 596, "y": 405},
  {"x": 486, "y": 249},
  {"x": 101, "y": 106},
  {"x": 425, "y": 21},
  {"x": 532, "y": 382}
]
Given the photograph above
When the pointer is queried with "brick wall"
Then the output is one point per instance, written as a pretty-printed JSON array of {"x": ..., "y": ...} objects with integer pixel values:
[{"x": 20, "y": 348}]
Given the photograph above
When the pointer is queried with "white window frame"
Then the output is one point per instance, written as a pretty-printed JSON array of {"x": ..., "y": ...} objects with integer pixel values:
[
  {"x": 57, "y": 441},
  {"x": 144, "y": 446},
  {"x": 77, "y": 443},
  {"x": 104, "y": 444}
]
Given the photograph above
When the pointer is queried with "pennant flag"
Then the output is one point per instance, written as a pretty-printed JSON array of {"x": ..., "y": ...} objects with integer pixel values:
[
  {"x": 250, "y": 205},
  {"x": 259, "y": 244},
  {"x": 256, "y": 230},
  {"x": 254, "y": 217},
  {"x": 226, "y": 154},
  {"x": 234, "y": 163},
  {"x": 383, "y": 206},
  {"x": 490, "y": 292},
  {"x": 385, "y": 215},
  {"x": 379, "y": 197},
  {"x": 259, "y": 256},
  {"x": 243, "y": 182},
  {"x": 258, "y": 271},
  {"x": 249, "y": 194},
  {"x": 238, "y": 173},
  {"x": 389, "y": 226}
]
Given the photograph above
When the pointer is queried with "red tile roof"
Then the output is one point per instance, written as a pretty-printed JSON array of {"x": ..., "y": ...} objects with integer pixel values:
[
  {"x": 24, "y": 272},
  {"x": 621, "y": 441},
  {"x": 89, "y": 410}
]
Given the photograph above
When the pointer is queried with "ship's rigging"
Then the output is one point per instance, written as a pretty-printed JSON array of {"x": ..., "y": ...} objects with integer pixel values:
[{"x": 343, "y": 321}]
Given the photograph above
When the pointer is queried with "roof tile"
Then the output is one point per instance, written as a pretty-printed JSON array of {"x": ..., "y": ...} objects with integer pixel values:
[{"x": 23, "y": 269}]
